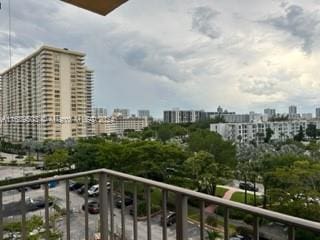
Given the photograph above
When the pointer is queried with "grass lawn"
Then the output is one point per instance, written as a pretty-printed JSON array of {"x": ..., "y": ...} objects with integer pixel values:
[
  {"x": 239, "y": 197},
  {"x": 220, "y": 191}
]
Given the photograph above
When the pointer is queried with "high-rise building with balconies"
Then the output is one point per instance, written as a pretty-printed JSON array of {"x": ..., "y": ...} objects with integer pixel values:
[{"x": 47, "y": 95}]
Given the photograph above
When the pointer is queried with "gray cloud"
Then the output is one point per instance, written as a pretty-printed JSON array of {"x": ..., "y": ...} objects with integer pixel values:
[
  {"x": 203, "y": 22},
  {"x": 299, "y": 23},
  {"x": 154, "y": 59},
  {"x": 258, "y": 85}
]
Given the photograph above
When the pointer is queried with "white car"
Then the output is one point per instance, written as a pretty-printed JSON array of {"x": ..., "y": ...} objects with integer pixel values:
[{"x": 94, "y": 190}]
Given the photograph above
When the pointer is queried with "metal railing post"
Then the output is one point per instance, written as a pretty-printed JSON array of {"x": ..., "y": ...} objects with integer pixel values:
[
  {"x": 181, "y": 216},
  {"x": 226, "y": 223},
  {"x": 164, "y": 214},
  {"x": 291, "y": 233},
  {"x": 1, "y": 217},
  {"x": 148, "y": 202},
  {"x": 202, "y": 215},
  {"x": 67, "y": 210},
  {"x": 135, "y": 218},
  {"x": 46, "y": 210},
  {"x": 111, "y": 209},
  {"x": 256, "y": 228},
  {"x": 103, "y": 191},
  {"x": 86, "y": 214},
  {"x": 23, "y": 213},
  {"x": 123, "y": 220}
]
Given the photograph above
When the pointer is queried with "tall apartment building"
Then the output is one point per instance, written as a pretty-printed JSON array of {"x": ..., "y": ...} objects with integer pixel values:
[
  {"x": 183, "y": 116},
  {"x": 47, "y": 95},
  {"x": 317, "y": 111},
  {"x": 270, "y": 112},
  {"x": 143, "y": 113}
]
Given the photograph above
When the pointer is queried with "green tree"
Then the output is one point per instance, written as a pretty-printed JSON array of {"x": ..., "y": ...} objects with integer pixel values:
[
  {"x": 204, "y": 171},
  {"x": 311, "y": 131},
  {"x": 224, "y": 152},
  {"x": 269, "y": 133},
  {"x": 299, "y": 137},
  {"x": 57, "y": 160}
]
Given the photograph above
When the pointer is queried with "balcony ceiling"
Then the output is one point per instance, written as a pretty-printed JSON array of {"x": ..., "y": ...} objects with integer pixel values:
[{"x": 102, "y": 7}]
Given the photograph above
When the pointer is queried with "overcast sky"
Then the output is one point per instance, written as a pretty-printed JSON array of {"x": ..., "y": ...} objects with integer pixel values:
[{"x": 194, "y": 54}]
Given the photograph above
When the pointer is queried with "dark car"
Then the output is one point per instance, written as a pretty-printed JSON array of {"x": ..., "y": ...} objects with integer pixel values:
[
  {"x": 93, "y": 207},
  {"x": 127, "y": 202},
  {"x": 35, "y": 186},
  {"x": 248, "y": 186},
  {"x": 74, "y": 186},
  {"x": 170, "y": 218},
  {"x": 81, "y": 190}
]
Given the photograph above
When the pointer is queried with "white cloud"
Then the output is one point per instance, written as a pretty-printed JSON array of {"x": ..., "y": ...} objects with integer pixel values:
[{"x": 160, "y": 54}]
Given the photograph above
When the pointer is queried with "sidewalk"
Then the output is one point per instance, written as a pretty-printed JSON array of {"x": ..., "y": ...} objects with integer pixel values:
[{"x": 228, "y": 194}]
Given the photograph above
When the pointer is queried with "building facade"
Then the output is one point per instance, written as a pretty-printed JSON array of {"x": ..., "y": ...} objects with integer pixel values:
[
  {"x": 144, "y": 113},
  {"x": 121, "y": 112},
  {"x": 248, "y": 132},
  {"x": 99, "y": 121},
  {"x": 183, "y": 116},
  {"x": 118, "y": 125},
  {"x": 317, "y": 112},
  {"x": 270, "y": 112},
  {"x": 47, "y": 95}
]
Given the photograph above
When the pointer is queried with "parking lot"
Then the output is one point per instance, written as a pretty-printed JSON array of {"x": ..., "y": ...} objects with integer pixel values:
[{"x": 78, "y": 216}]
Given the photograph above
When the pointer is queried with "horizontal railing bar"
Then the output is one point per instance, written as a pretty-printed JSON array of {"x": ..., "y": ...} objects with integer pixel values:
[
  {"x": 280, "y": 217},
  {"x": 47, "y": 180},
  {"x": 283, "y": 218}
]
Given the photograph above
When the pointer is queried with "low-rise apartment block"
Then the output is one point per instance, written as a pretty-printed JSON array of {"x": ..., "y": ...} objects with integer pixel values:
[
  {"x": 118, "y": 125},
  {"x": 256, "y": 131}
]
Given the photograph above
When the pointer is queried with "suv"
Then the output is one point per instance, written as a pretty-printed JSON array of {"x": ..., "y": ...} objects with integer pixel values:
[
  {"x": 170, "y": 219},
  {"x": 248, "y": 186}
]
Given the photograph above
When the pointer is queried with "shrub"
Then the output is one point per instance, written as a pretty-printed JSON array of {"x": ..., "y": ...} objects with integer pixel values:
[{"x": 212, "y": 221}]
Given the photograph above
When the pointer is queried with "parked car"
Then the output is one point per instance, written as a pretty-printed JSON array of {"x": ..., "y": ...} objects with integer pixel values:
[
  {"x": 74, "y": 186},
  {"x": 94, "y": 190},
  {"x": 127, "y": 202},
  {"x": 240, "y": 237},
  {"x": 35, "y": 186},
  {"x": 93, "y": 207},
  {"x": 170, "y": 218},
  {"x": 248, "y": 186}
]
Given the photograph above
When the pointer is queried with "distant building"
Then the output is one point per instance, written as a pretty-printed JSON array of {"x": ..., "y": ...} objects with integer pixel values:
[
  {"x": 100, "y": 112},
  {"x": 317, "y": 112},
  {"x": 306, "y": 116},
  {"x": 292, "y": 109},
  {"x": 247, "y": 132},
  {"x": 293, "y": 112},
  {"x": 143, "y": 113},
  {"x": 183, "y": 116},
  {"x": 117, "y": 125},
  {"x": 100, "y": 119},
  {"x": 121, "y": 112},
  {"x": 270, "y": 112}
]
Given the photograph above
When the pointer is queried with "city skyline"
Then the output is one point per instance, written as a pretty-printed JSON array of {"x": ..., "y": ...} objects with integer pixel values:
[{"x": 249, "y": 57}]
